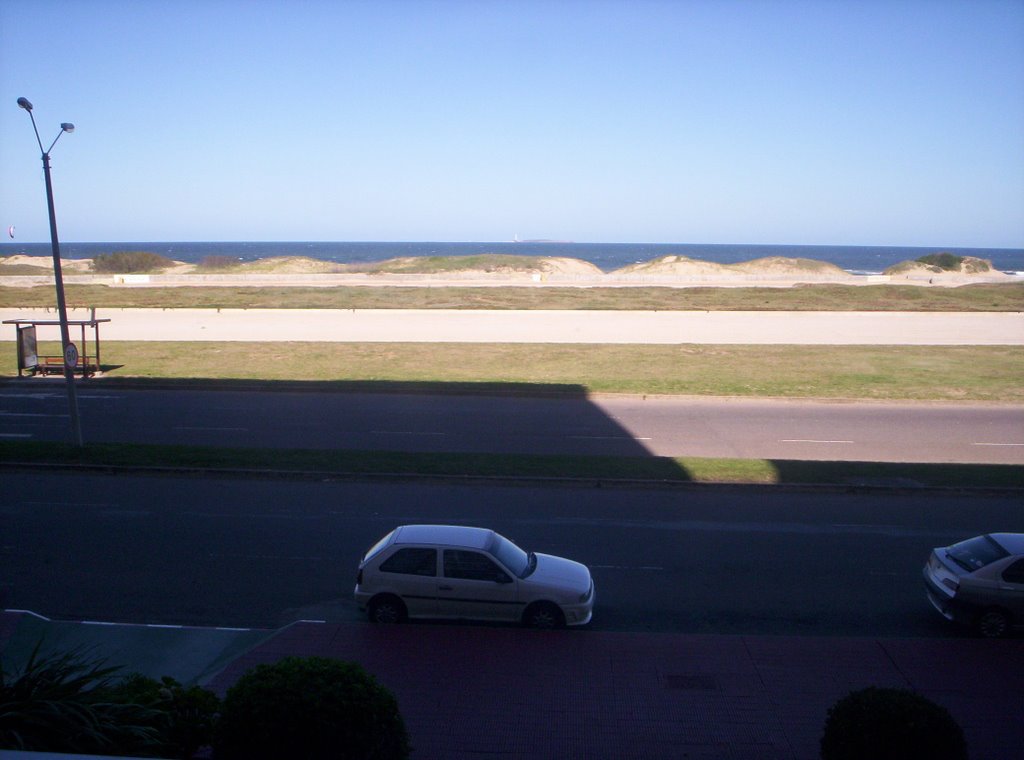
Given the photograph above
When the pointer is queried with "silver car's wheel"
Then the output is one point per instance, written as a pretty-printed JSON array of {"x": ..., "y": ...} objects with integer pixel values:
[
  {"x": 993, "y": 624},
  {"x": 544, "y": 615},
  {"x": 386, "y": 610}
]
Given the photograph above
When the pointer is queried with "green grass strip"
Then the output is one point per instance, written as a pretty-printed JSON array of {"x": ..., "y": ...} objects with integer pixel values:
[
  {"x": 665, "y": 469},
  {"x": 979, "y": 297},
  {"x": 898, "y": 373}
]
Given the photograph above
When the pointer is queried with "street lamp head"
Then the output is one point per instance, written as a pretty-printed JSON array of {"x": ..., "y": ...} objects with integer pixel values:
[{"x": 64, "y": 127}]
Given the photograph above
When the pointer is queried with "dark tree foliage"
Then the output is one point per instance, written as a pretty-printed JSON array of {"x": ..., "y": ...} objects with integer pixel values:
[
  {"x": 310, "y": 707},
  {"x": 187, "y": 715},
  {"x": 890, "y": 724}
]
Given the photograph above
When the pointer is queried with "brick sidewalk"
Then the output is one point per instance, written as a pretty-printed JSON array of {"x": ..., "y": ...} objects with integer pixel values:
[
  {"x": 477, "y": 692},
  {"x": 472, "y": 692}
]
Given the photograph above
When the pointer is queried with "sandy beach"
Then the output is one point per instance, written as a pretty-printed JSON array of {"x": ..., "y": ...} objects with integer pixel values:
[{"x": 533, "y": 326}]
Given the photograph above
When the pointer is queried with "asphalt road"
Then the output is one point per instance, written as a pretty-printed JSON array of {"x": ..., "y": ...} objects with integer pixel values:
[
  {"x": 226, "y": 552},
  {"x": 616, "y": 425}
]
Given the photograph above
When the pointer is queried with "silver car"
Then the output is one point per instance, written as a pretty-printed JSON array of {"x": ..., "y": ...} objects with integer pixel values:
[
  {"x": 979, "y": 582},
  {"x": 452, "y": 571}
]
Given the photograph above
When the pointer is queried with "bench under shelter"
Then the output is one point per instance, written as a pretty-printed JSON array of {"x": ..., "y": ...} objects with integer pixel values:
[{"x": 31, "y": 362}]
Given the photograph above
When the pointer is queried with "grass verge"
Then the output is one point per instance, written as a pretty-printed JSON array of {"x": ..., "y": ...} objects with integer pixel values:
[
  {"x": 322, "y": 463},
  {"x": 927, "y": 373},
  {"x": 980, "y": 297}
]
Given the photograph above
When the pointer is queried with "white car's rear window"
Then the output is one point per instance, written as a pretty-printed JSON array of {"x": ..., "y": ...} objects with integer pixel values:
[
  {"x": 975, "y": 553},
  {"x": 378, "y": 546}
]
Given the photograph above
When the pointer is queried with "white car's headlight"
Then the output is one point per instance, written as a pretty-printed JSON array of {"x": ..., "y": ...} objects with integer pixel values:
[{"x": 590, "y": 591}]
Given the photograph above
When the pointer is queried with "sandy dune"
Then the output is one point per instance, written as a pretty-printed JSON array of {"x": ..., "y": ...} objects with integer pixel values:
[{"x": 667, "y": 271}]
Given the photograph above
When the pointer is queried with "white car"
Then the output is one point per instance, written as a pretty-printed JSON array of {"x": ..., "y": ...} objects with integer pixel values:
[
  {"x": 979, "y": 582},
  {"x": 456, "y": 572}
]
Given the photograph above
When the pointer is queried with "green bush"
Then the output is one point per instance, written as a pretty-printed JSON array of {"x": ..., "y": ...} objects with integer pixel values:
[
  {"x": 128, "y": 262},
  {"x": 218, "y": 262},
  {"x": 186, "y": 716},
  {"x": 66, "y": 703},
  {"x": 890, "y": 724},
  {"x": 310, "y": 707},
  {"x": 945, "y": 261}
]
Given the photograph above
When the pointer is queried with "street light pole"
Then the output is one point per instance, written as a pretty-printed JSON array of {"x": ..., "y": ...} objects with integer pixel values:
[{"x": 69, "y": 354}]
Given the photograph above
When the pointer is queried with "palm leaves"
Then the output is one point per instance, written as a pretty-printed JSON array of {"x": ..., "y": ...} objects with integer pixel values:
[{"x": 68, "y": 703}]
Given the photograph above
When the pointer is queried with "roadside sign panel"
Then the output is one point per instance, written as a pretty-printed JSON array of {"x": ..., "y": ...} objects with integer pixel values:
[{"x": 71, "y": 355}]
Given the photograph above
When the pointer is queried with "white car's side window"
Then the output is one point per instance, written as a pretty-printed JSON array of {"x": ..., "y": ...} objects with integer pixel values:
[
  {"x": 411, "y": 561},
  {"x": 1015, "y": 573},
  {"x": 471, "y": 566}
]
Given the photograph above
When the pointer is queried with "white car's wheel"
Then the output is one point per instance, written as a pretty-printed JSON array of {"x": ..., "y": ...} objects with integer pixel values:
[
  {"x": 543, "y": 615},
  {"x": 386, "y": 610},
  {"x": 993, "y": 624}
]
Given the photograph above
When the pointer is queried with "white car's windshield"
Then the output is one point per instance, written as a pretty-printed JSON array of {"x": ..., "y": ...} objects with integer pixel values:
[{"x": 511, "y": 556}]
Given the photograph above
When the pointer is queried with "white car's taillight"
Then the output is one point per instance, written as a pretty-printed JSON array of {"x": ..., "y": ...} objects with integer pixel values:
[{"x": 950, "y": 584}]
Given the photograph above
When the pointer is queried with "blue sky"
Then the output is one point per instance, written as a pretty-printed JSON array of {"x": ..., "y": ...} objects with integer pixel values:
[{"x": 877, "y": 122}]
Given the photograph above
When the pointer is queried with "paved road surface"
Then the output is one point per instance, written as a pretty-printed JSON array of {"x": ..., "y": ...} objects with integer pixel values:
[
  {"x": 244, "y": 552},
  {"x": 569, "y": 326},
  {"x": 624, "y": 426}
]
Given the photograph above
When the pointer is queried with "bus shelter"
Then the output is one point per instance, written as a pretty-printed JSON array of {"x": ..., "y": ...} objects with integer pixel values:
[{"x": 32, "y": 362}]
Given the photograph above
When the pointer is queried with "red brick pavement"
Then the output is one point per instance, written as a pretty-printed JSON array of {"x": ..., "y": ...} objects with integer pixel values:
[{"x": 476, "y": 692}]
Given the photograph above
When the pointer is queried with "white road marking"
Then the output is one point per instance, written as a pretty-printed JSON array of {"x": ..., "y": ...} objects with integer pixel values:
[
  {"x": 606, "y": 438},
  {"x": 217, "y": 429},
  {"x": 29, "y": 612},
  {"x": 150, "y": 625},
  {"x": 810, "y": 440},
  {"x": 273, "y": 557},
  {"x": 997, "y": 444},
  {"x": 29, "y": 414},
  {"x": 407, "y": 432},
  {"x": 626, "y": 567},
  {"x": 15, "y": 435}
]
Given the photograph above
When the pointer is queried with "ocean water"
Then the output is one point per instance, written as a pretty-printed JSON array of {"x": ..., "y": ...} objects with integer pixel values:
[{"x": 606, "y": 256}]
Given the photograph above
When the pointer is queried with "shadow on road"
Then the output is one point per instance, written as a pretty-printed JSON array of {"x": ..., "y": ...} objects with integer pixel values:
[
  {"x": 379, "y": 426},
  {"x": 544, "y": 429}
]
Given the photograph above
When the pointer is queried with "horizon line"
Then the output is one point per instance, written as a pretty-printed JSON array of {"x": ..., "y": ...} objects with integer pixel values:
[{"x": 8, "y": 243}]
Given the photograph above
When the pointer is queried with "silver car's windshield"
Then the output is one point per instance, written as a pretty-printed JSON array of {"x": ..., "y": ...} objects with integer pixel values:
[
  {"x": 511, "y": 556},
  {"x": 974, "y": 553}
]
